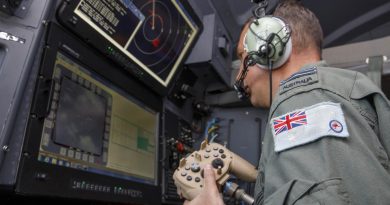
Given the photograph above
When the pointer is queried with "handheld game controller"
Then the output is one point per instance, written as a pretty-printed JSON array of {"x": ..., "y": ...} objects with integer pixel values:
[{"x": 188, "y": 177}]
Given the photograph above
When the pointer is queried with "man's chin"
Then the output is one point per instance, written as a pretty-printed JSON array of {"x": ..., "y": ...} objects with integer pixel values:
[
  {"x": 259, "y": 104},
  {"x": 255, "y": 103}
]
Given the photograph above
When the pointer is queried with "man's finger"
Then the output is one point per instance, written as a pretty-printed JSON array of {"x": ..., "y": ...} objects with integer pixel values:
[{"x": 209, "y": 177}]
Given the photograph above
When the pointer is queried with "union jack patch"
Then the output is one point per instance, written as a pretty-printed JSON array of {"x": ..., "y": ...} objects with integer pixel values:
[{"x": 289, "y": 121}]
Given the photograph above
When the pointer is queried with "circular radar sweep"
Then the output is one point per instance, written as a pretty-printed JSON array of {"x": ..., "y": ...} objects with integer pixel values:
[{"x": 161, "y": 38}]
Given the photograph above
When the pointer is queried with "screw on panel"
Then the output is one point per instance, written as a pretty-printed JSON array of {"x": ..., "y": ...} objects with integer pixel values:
[{"x": 5, "y": 148}]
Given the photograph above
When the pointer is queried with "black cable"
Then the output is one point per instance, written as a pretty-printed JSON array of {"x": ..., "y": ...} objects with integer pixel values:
[
  {"x": 239, "y": 84},
  {"x": 269, "y": 63},
  {"x": 270, "y": 81},
  {"x": 259, "y": 11}
]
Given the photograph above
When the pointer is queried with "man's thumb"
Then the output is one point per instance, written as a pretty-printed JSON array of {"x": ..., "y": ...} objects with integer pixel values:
[{"x": 209, "y": 177}]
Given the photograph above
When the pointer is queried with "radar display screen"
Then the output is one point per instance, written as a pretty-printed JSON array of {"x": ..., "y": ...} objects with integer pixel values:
[
  {"x": 154, "y": 35},
  {"x": 162, "y": 38}
]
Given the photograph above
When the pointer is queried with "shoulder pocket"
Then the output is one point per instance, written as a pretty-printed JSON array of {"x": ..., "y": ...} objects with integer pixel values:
[
  {"x": 366, "y": 109},
  {"x": 330, "y": 191},
  {"x": 302, "y": 192}
]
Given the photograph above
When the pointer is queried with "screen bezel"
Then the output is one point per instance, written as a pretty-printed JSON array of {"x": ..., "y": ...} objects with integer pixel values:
[
  {"x": 87, "y": 33},
  {"x": 40, "y": 178}
]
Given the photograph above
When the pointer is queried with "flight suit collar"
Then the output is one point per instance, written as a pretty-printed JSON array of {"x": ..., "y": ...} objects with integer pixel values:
[
  {"x": 317, "y": 64},
  {"x": 307, "y": 75}
]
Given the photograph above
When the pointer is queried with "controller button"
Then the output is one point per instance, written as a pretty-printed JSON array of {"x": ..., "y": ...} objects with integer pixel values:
[
  {"x": 215, "y": 154},
  {"x": 189, "y": 178},
  {"x": 195, "y": 167},
  {"x": 215, "y": 148},
  {"x": 217, "y": 163},
  {"x": 223, "y": 156},
  {"x": 221, "y": 151},
  {"x": 206, "y": 156},
  {"x": 187, "y": 167},
  {"x": 183, "y": 174},
  {"x": 197, "y": 179},
  {"x": 208, "y": 150}
]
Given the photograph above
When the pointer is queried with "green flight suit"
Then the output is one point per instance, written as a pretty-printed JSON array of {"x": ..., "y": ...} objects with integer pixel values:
[{"x": 330, "y": 170}]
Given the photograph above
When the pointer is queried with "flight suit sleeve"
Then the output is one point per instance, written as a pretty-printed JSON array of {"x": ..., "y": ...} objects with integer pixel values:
[
  {"x": 329, "y": 170},
  {"x": 363, "y": 89}
]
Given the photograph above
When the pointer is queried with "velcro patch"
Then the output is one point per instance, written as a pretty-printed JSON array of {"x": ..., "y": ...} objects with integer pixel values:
[{"x": 307, "y": 125}]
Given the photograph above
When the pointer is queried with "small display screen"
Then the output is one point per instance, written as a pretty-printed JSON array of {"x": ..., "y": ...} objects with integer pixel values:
[
  {"x": 154, "y": 34},
  {"x": 114, "y": 19},
  {"x": 80, "y": 118},
  {"x": 96, "y": 127}
]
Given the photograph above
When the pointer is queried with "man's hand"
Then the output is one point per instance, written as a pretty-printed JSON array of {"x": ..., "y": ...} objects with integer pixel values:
[{"x": 210, "y": 194}]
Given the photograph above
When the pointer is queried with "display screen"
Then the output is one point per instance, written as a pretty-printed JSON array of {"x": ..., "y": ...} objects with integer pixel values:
[
  {"x": 155, "y": 34},
  {"x": 114, "y": 19},
  {"x": 95, "y": 127},
  {"x": 80, "y": 119}
]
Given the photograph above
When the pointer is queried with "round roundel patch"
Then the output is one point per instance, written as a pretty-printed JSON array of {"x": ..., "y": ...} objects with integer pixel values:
[{"x": 336, "y": 126}]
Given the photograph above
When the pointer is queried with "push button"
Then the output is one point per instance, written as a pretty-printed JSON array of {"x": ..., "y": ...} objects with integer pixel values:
[{"x": 195, "y": 167}]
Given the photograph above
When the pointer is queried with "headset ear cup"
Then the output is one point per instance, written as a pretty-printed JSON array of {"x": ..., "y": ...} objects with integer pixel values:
[
  {"x": 275, "y": 33},
  {"x": 285, "y": 56}
]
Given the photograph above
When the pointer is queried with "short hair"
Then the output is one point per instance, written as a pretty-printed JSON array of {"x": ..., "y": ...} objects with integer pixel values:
[{"x": 305, "y": 26}]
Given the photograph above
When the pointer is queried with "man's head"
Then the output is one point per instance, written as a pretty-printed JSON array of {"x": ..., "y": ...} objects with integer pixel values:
[{"x": 306, "y": 41}]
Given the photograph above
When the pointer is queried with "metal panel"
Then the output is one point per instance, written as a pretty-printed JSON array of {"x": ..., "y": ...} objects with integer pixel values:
[
  {"x": 241, "y": 129},
  {"x": 20, "y": 55},
  {"x": 214, "y": 49}
]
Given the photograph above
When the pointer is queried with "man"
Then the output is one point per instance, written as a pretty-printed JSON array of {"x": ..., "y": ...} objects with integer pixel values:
[{"x": 328, "y": 139}]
